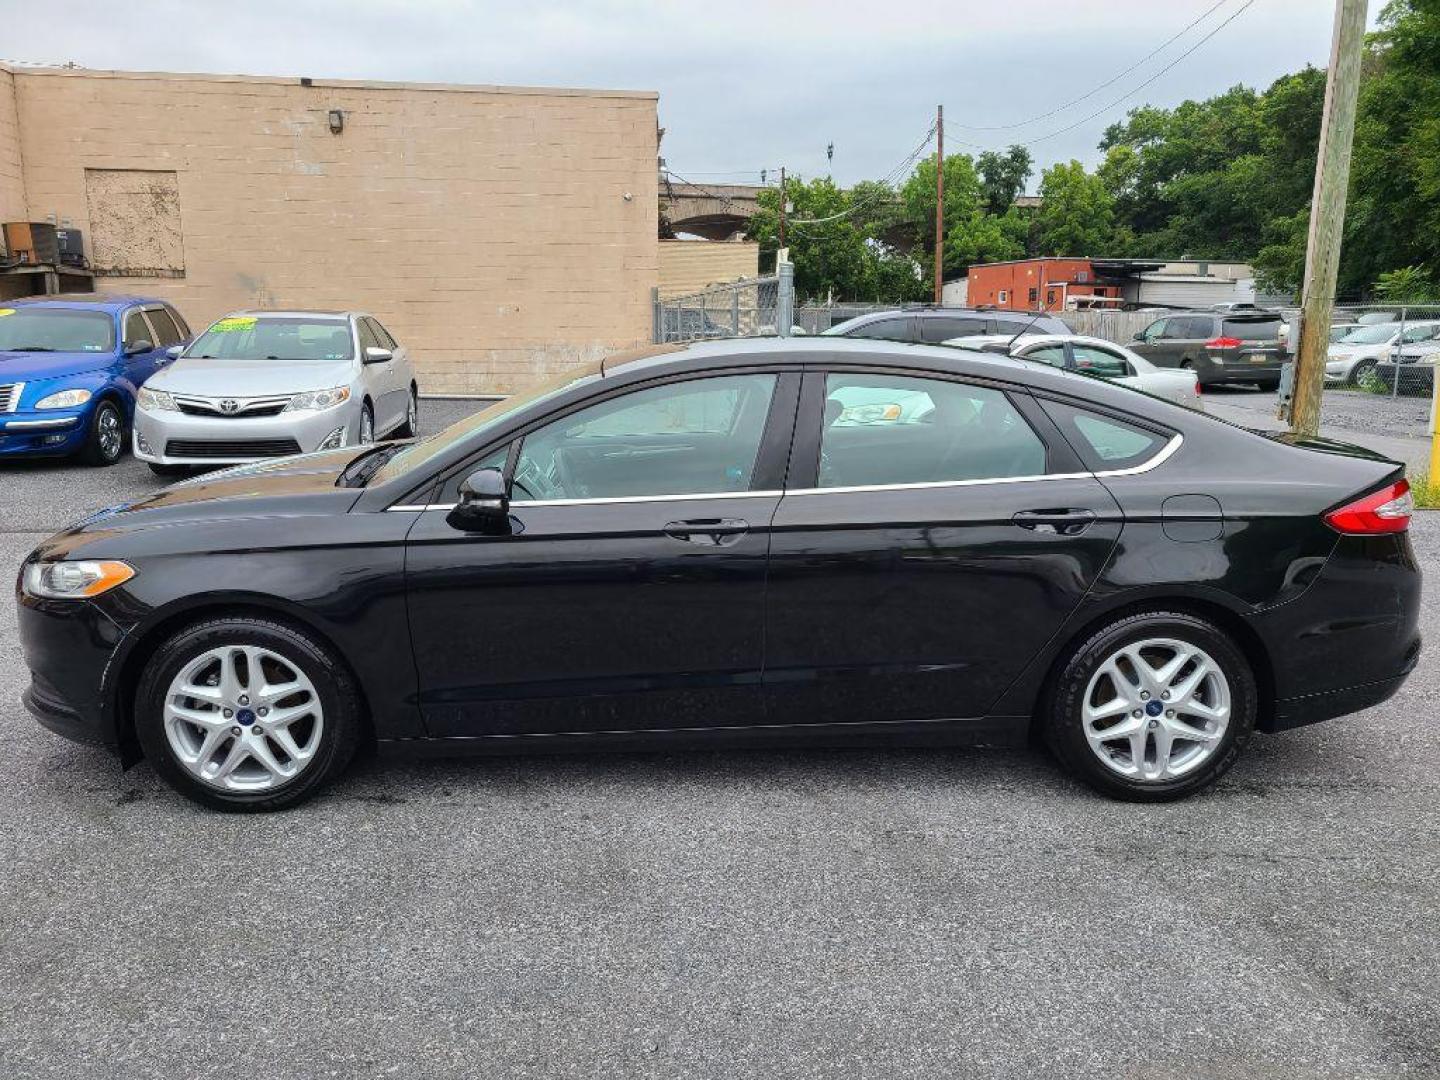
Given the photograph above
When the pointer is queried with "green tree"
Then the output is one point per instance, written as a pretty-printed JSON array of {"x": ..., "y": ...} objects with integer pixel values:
[
  {"x": 962, "y": 201},
  {"x": 1407, "y": 285},
  {"x": 1003, "y": 176},
  {"x": 1077, "y": 214}
]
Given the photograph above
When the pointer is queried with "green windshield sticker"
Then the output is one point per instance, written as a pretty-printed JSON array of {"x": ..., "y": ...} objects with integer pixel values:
[
  {"x": 233, "y": 324},
  {"x": 6, "y": 311}
]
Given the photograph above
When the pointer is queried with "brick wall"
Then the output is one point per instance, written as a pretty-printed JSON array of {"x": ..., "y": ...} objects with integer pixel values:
[
  {"x": 487, "y": 227},
  {"x": 687, "y": 266},
  {"x": 12, "y": 184}
]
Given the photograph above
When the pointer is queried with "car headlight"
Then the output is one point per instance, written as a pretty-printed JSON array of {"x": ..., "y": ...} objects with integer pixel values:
[
  {"x": 74, "y": 580},
  {"x": 318, "y": 399},
  {"x": 64, "y": 399},
  {"x": 155, "y": 400}
]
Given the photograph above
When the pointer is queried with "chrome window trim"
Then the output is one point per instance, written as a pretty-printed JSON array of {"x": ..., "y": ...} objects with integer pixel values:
[{"x": 1154, "y": 462}]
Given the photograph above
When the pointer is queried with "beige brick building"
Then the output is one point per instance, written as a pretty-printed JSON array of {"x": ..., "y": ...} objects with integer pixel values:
[
  {"x": 687, "y": 266},
  {"x": 501, "y": 232}
]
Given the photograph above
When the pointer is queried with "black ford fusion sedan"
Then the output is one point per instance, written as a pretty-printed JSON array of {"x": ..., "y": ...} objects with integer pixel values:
[{"x": 810, "y": 541}]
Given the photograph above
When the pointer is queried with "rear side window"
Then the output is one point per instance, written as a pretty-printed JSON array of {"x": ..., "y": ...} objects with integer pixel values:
[
  {"x": 942, "y": 328},
  {"x": 1103, "y": 442},
  {"x": 884, "y": 330},
  {"x": 1054, "y": 355},
  {"x": 1251, "y": 329},
  {"x": 885, "y": 429}
]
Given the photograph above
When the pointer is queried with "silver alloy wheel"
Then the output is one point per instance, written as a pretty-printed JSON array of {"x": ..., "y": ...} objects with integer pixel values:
[
  {"x": 110, "y": 432},
  {"x": 413, "y": 416},
  {"x": 367, "y": 428},
  {"x": 1156, "y": 709},
  {"x": 243, "y": 718}
]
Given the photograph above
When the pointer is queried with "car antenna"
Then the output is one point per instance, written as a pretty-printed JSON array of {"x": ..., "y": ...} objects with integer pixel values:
[{"x": 1023, "y": 331}]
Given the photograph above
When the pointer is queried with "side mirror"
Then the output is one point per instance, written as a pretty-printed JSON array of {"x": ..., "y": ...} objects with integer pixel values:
[
  {"x": 484, "y": 505},
  {"x": 135, "y": 348},
  {"x": 376, "y": 355},
  {"x": 174, "y": 351}
]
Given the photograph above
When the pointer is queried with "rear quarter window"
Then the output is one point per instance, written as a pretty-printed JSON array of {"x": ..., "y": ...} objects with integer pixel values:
[{"x": 1104, "y": 442}]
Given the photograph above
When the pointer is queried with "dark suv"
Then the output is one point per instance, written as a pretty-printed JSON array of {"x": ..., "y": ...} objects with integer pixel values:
[
  {"x": 934, "y": 325},
  {"x": 1219, "y": 346}
]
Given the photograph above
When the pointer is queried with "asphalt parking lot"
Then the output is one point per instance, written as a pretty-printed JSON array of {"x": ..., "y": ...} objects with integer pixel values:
[{"x": 762, "y": 914}]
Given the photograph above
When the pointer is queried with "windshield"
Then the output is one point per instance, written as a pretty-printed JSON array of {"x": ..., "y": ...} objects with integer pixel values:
[
  {"x": 474, "y": 426},
  {"x": 1251, "y": 329},
  {"x": 1375, "y": 334},
  {"x": 38, "y": 329},
  {"x": 275, "y": 337}
]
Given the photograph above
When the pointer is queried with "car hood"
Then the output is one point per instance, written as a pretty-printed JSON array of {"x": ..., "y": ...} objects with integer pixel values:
[
  {"x": 28, "y": 366},
  {"x": 251, "y": 378},
  {"x": 291, "y": 487}
]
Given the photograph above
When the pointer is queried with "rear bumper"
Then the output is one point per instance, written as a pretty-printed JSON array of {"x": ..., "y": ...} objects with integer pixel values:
[
  {"x": 1351, "y": 639},
  {"x": 1238, "y": 370}
]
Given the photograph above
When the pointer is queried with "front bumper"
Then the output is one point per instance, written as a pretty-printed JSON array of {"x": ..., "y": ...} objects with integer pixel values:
[
  {"x": 69, "y": 647},
  {"x": 44, "y": 433},
  {"x": 203, "y": 440}
]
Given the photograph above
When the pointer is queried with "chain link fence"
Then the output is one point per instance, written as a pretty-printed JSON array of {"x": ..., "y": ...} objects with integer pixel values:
[{"x": 744, "y": 308}]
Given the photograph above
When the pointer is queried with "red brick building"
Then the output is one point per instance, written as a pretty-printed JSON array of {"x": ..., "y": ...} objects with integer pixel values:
[{"x": 1031, "y": 284}]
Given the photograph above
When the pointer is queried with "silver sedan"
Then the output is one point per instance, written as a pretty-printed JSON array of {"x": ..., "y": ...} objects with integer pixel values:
[
  {"x": 1098, "y": 357},
  {"x": 260, "y": 384}
]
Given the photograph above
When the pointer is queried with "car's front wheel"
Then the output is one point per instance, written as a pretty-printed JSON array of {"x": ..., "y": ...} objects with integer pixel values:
[
  {"x": 106, "y": 441},
  {"x": 1152, "y": 707},
  {"x": 1361, "y": 369},
  {"x": 245, "y": 714}
]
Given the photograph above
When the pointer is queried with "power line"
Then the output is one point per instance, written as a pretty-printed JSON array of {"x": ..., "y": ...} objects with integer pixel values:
[
  {"x": 1131, "y": 93},
  {"x": 1107, "y": 83},
  {"x": 889, "y": 178}
]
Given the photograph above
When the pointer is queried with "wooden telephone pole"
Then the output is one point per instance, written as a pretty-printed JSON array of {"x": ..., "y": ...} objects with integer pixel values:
[
  {"x": 1327, "y": 214},
  {"x": 939, "y": 203}
]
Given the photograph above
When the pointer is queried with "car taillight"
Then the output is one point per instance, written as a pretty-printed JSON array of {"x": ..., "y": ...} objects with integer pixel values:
[
  {"x": 1385, "y": 511},
  {"x": 1223, "y": 343}
]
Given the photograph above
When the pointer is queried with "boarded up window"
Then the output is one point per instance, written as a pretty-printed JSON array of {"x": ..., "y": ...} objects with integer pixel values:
[{"x": 135, "y": 223}]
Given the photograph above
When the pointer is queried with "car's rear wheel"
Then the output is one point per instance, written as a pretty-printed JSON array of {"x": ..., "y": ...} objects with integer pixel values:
[
  {"x": 1152, "y": 707},
  {"x": 245, "y": 714},
  {"x": 411, "y": 428},
  {"x": 106, "y": 442},
  {"x": 1268, "y": 384}
]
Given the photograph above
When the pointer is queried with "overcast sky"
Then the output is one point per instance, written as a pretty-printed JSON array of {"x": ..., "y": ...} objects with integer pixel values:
[{"x": 744, "y": 84}]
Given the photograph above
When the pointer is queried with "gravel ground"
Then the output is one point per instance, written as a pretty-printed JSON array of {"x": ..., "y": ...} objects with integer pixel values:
[
  {"x": 1352, "y": 410},
  {"x": 797, "y": 914}
]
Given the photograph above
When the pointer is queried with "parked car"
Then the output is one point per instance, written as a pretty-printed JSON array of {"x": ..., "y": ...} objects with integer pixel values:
[
  {"x": 1339, "y": 330},
  {"x": 1365, "y": 346},
  {"x": 1220, "y": 347},
  {"x": 934, "y": 325},
  {"x": 261, "y": 384},
  {"x": 70, "y": 367},
  {"x": 1099, "y": 358},
  {"x": 1414, "y": 366},
  {"x": 684, "y": 544}
]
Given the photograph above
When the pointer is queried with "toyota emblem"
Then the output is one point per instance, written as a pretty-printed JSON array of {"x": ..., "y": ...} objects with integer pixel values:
[{"x": 229, "y": 405}]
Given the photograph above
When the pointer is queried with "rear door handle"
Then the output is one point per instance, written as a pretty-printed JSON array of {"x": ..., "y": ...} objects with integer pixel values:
[
  {"x": 1059, "y": 522},
  {"x": 709, "y": 532}
]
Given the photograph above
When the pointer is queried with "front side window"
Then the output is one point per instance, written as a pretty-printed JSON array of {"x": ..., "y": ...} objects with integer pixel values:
[
  {"x": 382, "y": 334},
  {"x": 1103, "y": 442},
  {"x": 1155, "y": 331},
  {"x": 896, "y": 429},
  {"x": 275, "y": 337},
  {"x": 166, "y": 332},
  {"x": 136, "y": 330},
  {"x": 55, "y": 329},
  {"x": 697, "y": 437}
]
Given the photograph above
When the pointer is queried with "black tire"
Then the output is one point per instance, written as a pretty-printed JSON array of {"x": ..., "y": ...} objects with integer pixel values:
[
  {"x": 101, "y": 448},
  {"x": 169, "y": 471},
  {"x": 1269, "y": 384},
  {"x": 338, "y": 694},
  {"x": 411, "y": 427},
  {"x": 1062, "y": 726}
]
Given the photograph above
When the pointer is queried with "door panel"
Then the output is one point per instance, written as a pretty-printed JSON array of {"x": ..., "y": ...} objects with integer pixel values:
[{"x": 923, "y": 593}]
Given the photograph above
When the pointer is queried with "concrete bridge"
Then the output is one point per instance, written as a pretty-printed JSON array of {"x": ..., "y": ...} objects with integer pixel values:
[{"x": 714, "y": 211}]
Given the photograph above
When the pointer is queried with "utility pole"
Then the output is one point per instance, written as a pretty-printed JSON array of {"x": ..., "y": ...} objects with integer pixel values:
[
  {"x": 939, "y": 203},
  {"x": 1327, "y": 213},
  {"x": 782, "y": 207}
]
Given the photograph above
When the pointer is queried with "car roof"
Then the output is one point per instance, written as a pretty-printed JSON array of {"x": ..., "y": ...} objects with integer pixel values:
[
  {"x": 109, "y": 302},
  {"x": 293, "y": 313}
]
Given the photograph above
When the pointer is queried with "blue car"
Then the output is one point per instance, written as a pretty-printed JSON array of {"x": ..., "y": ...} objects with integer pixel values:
[{"x": 70, "y": 367}]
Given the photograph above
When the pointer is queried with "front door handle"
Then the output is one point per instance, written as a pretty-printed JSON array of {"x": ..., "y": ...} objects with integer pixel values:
[
  {"x": 1059, "y": 522},
  {"x": 710, "y": 532}
]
